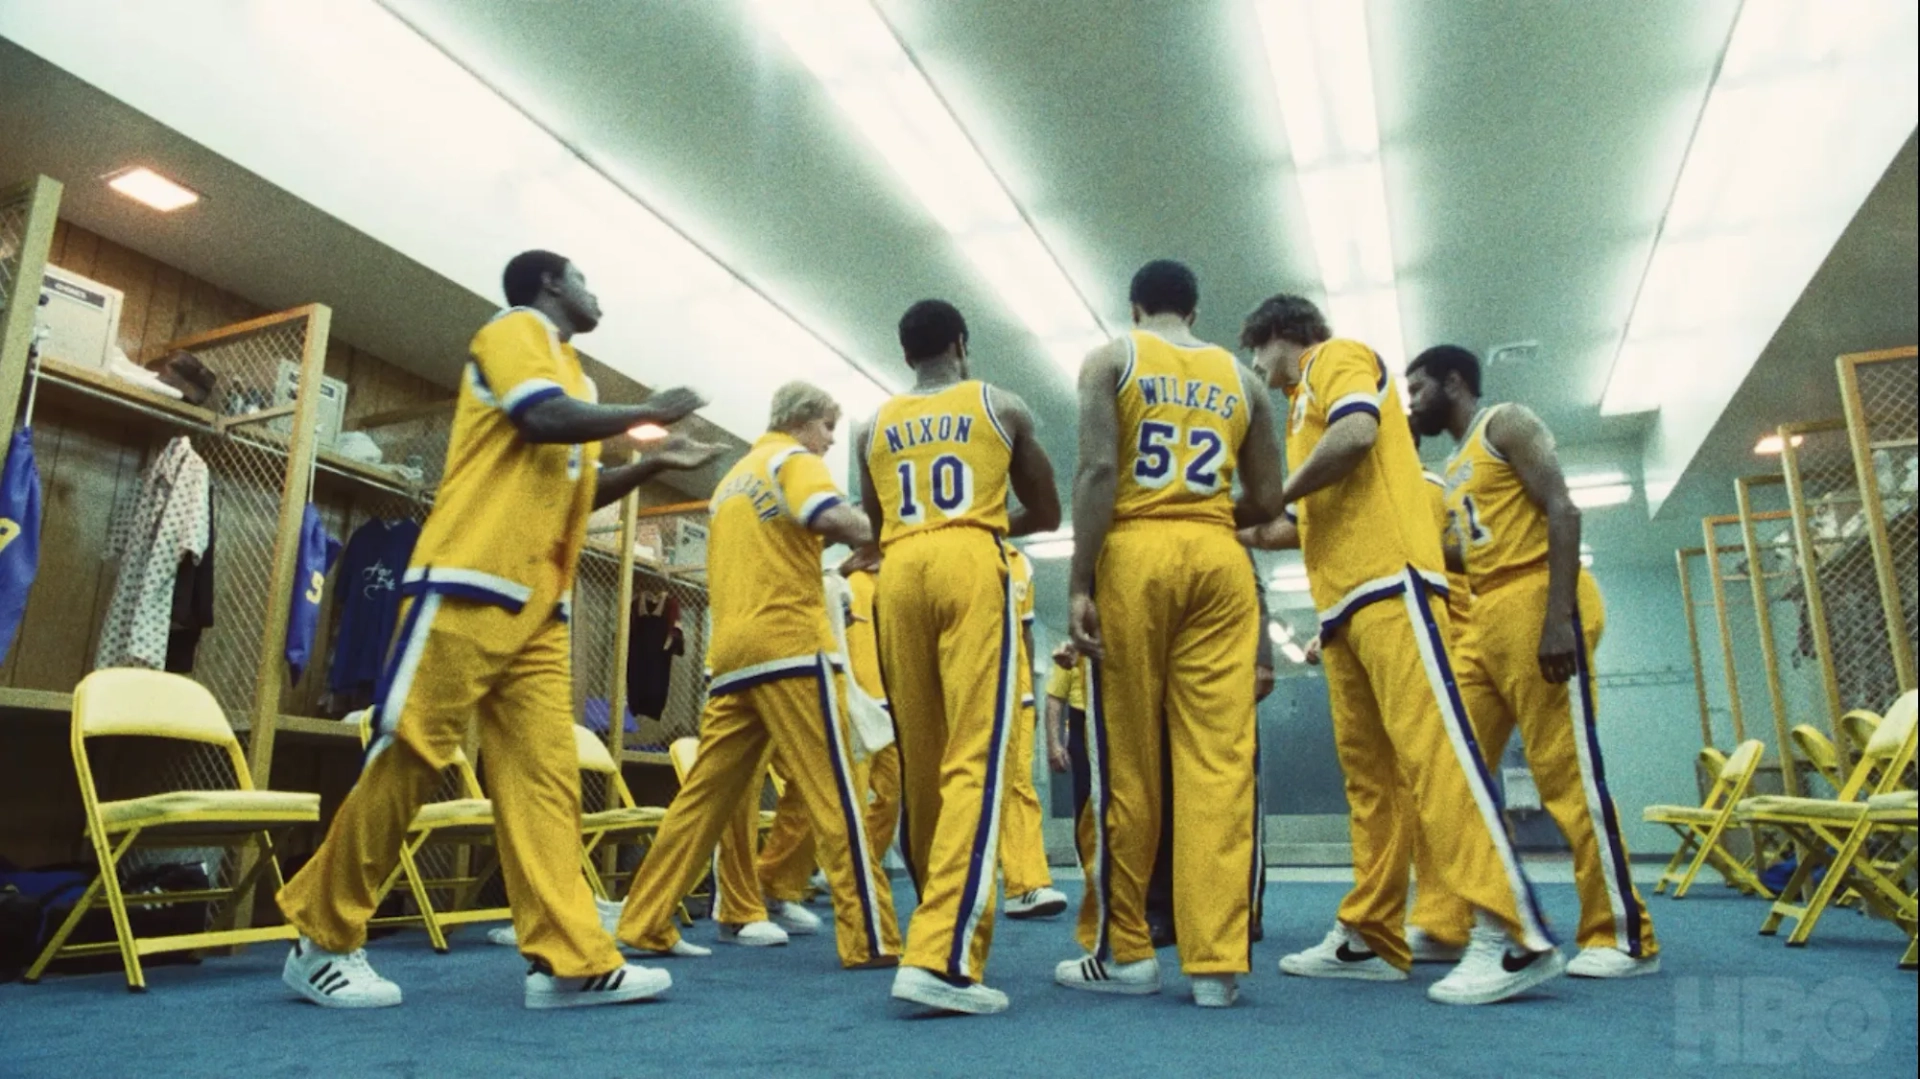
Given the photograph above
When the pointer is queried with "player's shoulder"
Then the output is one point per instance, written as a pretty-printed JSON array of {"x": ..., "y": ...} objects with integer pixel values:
[
  {"x": 1510, "y": 422},
  {"x": 514, "y": 322}
]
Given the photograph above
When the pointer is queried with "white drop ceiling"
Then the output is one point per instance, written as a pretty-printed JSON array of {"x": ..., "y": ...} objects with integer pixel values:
[{"x": 1529, "y": 151}]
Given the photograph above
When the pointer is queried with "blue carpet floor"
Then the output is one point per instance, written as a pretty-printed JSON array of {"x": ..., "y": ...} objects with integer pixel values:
[{"x": 1728, "y": 1000}]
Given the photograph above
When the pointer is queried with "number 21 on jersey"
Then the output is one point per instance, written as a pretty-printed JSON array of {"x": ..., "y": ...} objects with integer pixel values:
[
  {"x": 947, "y": 484},
  {"x": 1164, "y": 449}
]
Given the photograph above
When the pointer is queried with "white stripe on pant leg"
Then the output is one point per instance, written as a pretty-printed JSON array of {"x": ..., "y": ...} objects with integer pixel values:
[
  {"x": 387, "y": 722},
  {"x": 1455, "y": 722},
  {"x": 995, "y": 776},
  {"x": 854, "y": 811},
  {"x": 1093, "y": 734},
  {"x": 1604, "y": 841}
]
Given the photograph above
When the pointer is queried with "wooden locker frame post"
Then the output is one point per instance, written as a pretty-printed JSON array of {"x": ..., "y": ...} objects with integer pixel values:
[
  {"x": 1680, "y": 558},
  {"x": 1763, "y": 616},
  {"x": 1860, "y": 435},
  {"x": 1713, "y": 550},
  {"x": 1802, "y": 511},
  {"x": 42, "y": 195}
]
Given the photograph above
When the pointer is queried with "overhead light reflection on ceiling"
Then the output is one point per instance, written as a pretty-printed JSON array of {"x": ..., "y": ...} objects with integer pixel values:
[
  {"x": 1322, "y": 71},
  {"x": 885, "y": 96}
]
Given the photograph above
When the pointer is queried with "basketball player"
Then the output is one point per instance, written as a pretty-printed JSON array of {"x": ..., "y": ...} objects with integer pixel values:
[
  {"x": 1164, "y": 606},
  {"x": 1527, "y": 646},
  {"x": 772, "y": 687},
  {"x": 935, "y": 465},
  {"x": 484, "y": 639},
  {"x": 1374, "y": 567},
  {"x": 1023, "y": 853}
]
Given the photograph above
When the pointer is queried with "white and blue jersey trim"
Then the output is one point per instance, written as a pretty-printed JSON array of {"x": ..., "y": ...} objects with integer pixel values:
[
  {"x": 986, "y": 406},
  {"x": 529, "y": 393},
  {"x": 1380, "y": 588},
  {"x": 465, "y": 584},
  {"x": 818, "y": 505},
  {"x": 759, "y": 674}
]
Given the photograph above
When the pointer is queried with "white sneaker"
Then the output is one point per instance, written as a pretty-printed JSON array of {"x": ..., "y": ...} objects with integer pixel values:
[
  {"x": 1611, "y": 963},
  {"x": 682, "y": 949},
  {"x": 1137, "y": 979},
  {"x": 1039, "y": 903},
  {"x": 1215, "y": 990},
  {"x": 1494, "y": 969},
  {"x": 797, "y": 920},
  {"x": 504, "y": 936},
  {"x": 622, "y": 985},
  {"x": 753, "y": 935},
  {"x": 336, "y": 979},
  {"x": 925, "y": 988},
  {"x": 1427, "y": 949},
  {"x": 1343, "y": 954},
  {"x": 609, "y": 914}
]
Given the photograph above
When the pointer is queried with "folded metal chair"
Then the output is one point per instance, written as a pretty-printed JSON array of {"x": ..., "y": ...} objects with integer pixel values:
[{"x": 1702, "y": 828}]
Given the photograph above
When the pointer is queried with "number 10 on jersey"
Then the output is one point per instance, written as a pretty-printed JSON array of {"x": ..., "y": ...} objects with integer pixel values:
[
  {"x": 1154, "y": 463},
  {"x": 949, "y": 486}
]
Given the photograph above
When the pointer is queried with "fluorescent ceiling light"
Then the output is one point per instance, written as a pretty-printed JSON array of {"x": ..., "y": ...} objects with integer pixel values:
[
  {"x": 1771, "y": 445},
  {"x": 143, "y": 185},
  {"x": 882, "y": 92},
  {"x": 1293, "y": 652},
  {"x": 1606, "y": 494},
  {"x": 1288, "y": 580},
  {"x": 1752, "y": 218},
  {"x": 1323, "y": 75},
  {"x": 1279, "y": 632},
  {"x": 1586, "y": 555}
]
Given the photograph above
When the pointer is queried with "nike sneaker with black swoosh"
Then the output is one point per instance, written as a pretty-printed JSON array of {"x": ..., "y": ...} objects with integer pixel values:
[
  {"x": 1495, "y": 968},
  {"x": 1343, "y": 954}
]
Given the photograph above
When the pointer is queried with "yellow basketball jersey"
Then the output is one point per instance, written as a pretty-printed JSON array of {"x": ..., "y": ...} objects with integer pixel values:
[
  {"x": 1183, "y": 415},
  {"x": 940, "y": 459},
  {"x": 510, "y": 516},
  {"x": 863, "y": 648},
  {"x": 763, "y": 566},
  {"x": 1069, "y": 685},
  {"x": 1020, "y": 573},
  {"x": 1361, "y": 535},
  {"x": 1459, "y": 589},
  {"x": 1501, "y": 530}
]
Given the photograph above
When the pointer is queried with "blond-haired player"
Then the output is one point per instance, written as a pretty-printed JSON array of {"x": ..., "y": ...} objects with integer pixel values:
[{"x": 772, "y": 685}]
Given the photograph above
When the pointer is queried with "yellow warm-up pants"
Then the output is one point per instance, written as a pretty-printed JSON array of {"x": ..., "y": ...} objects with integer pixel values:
[
  {"x": 1440, "y": 913},
  {"x": 783, "y": 870},
  {"x": 949, "y": 649},
  {"x": 1023, "y": 844},
  {"x": 1397, "y": 719},
  {"x": 1179, "y": 621},
  {"x": 802, "y": 716},
  {"x": 457, "y": 662},
  {"x": 1500, "y": 682}
]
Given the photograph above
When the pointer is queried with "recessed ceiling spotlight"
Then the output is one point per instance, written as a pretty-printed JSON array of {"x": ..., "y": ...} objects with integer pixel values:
[
  {"x": 1771, "y": 445},
  {"x": 145, "y": 186}
]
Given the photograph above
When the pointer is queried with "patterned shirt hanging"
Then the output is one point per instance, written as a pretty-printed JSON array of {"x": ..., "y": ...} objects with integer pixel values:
[{"x": 170, "y": 520}]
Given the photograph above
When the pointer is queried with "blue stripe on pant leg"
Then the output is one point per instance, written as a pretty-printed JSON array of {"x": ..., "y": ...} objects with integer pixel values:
[
  {"x": 856, "y": 828},
  {"x": 1100, "y": 874},
  {"x": 1455, "y": 712},
  {"x": 984, "y": 860},
  {"x": 1608, "y": 821},
  {"x": 1258, "y": 878}
]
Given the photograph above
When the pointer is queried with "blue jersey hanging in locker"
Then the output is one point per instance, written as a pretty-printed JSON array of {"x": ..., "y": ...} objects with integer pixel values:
[
  {"x": 369, "y": 597},
  {"x": 315, "y": 558},
  {"x": 19, "y": 534}
]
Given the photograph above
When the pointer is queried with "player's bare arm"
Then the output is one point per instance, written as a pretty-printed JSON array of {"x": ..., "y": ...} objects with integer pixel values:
[
  {"x": 843, "y": 524},
  {"x": 1262, "y": 478},
  {"x": 567, "y": 419},
  {"x": 869, "y": 495},
  {"x": 678, "y": 453},
  {"x": 1030, "y": 471},
  {"x": 1528, "y": 446},
  {"x": 1095, "y": 485},
  {"x": 1346, "y": 444}
]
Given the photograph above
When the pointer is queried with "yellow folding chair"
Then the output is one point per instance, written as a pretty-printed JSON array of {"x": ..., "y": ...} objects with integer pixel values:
[
  {"x": 1858, "y": 727},
  {"x": 153, "y": 704},
  {"x": 457, "y": 826},
  {"x": 1829, "y": 833},
  {"x": 1898, "y": 813},
  {"x": 1816, "y": 751},
  {"x": 1702, "y": 827},
  {"x": 618, "y": 825}
]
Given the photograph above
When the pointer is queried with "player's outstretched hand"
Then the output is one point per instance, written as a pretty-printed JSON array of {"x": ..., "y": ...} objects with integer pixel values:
[
  {"x": 1558, "y": 648},
  {"x": 1083, "y": 624},
  {"x": 681, "y": 452},
  {"x": 677, "y": 403}
]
